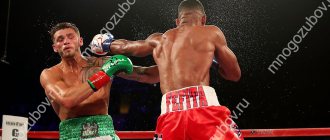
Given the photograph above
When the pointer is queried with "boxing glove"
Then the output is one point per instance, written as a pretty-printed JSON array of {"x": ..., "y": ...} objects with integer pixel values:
[
  {"x": 116, "y": 64},
  {"x": 100, "y": 44}
]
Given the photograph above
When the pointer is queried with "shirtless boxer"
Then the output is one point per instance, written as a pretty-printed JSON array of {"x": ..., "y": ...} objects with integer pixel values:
[
  {"x": 190, "y": 109},
  {"x": 79, "y": 88}
]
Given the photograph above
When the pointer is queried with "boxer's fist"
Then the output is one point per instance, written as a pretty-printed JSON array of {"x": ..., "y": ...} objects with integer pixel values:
[{"x": 101, "y": 43}]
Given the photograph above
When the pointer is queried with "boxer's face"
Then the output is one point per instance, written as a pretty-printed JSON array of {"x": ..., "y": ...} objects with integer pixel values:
[
  {"x": 190, "y": 17},
  {"x": 67, "y": 42}
]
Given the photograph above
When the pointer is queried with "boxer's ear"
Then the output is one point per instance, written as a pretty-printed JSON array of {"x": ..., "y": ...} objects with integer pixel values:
[
  {"x": 54, "y": 48},
  {"x": 81, "y": 41},
  {"x": 177, "y": 22},
  {"x": 204, "y": 20}
]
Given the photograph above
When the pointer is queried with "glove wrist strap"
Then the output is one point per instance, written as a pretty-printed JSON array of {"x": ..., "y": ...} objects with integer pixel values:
[{"x": 97, "y": 80}]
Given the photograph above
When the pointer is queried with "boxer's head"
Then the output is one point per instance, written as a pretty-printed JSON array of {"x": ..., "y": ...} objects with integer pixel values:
[
  {"x": 191, "y": 12},
  {"x": 66, "y": 39}
]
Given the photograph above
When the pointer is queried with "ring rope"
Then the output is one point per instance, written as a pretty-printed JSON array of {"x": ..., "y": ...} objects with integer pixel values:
[{"x": 247, "y": 133}]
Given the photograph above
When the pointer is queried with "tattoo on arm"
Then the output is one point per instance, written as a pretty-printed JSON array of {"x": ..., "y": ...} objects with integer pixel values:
[
  {"x": 92, "y": 67},
  {"x": 102, "y": 61},
  {"x": 139, "y": 72},
  {"x": 88, "y": 72}
]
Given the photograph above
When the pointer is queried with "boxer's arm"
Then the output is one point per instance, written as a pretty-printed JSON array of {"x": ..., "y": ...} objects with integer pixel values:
[
  {"x": 143, "y": 74},
  {"x": 57, "y": 91},
  {"x": 228, "y": 64},
  {"x": 139, "y": 48}
]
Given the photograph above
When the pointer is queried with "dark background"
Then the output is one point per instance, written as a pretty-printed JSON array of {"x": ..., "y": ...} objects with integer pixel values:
[{"x": 257, "y": 31}]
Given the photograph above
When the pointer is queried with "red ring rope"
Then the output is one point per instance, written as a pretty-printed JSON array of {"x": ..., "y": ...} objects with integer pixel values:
[{"x": 247, "y": 133}]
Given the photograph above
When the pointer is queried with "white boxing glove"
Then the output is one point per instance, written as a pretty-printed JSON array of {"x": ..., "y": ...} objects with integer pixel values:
[{"x": 101, "y": 43}]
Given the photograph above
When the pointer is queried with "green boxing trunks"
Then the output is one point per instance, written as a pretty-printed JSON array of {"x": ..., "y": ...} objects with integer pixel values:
[{"x": 98, "y": 127}]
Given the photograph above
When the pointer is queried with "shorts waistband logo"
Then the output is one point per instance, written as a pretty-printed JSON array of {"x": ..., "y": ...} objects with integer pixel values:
[
  {"x": 192, "y": 97},
  {"x": 89, "y": 129}
]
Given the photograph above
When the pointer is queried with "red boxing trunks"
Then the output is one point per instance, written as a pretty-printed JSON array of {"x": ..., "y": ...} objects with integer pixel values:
[{"x": 194, "y": 113}]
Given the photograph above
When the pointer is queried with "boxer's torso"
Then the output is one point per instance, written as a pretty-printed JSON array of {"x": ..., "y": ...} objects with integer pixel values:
[
  {"x": 96, "y": 104},
  {"x": 184, "y": 57}
]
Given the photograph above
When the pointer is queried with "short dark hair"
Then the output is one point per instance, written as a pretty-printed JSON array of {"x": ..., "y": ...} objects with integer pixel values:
[
  {"x": 63, "y": 25},
  {"x": 191, "y": 4}
]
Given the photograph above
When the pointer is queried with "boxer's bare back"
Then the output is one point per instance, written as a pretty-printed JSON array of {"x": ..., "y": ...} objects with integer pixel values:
[{"x": 184, "y": 54}]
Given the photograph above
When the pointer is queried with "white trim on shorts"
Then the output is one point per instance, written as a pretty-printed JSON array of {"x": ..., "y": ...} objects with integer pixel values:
[{"x": 211, "y": 98}]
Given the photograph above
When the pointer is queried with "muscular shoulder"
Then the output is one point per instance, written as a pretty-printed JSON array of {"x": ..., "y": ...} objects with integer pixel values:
[
  {"x": 51, "y": 73},
  {"x": 53, "y": 69},
  {"x": 170, "y": 31},
  {"x": 214, "y": 29},
  {"x": 215, "y": 32},
  {"x": 96, "y": 61},
  {"x": 154, "y": 39},
  {"x": 155, "y": 36}
]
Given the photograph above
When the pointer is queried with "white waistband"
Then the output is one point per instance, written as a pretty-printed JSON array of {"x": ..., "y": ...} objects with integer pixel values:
[{"x": 189, "y": 98}]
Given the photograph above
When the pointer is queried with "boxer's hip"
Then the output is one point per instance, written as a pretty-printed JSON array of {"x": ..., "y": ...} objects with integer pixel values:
[{"x": 194, "y": 113}]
